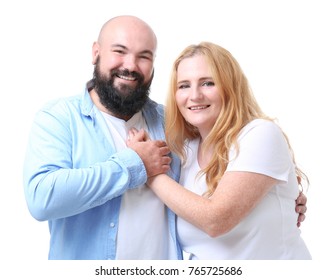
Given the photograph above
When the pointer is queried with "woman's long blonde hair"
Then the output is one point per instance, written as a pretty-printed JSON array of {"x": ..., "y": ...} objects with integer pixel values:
[{"x": 239, "y": 108}]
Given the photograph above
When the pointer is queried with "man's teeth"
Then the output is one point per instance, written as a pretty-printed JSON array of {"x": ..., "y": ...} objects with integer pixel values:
[{"x": 126, "y": 78}]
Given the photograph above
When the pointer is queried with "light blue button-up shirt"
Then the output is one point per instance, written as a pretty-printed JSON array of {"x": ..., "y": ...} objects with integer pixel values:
[{"x": 74, "y": 178}]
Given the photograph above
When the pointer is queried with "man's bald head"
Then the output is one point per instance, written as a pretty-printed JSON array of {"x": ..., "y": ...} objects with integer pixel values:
[{"x": 128, "y": 25}]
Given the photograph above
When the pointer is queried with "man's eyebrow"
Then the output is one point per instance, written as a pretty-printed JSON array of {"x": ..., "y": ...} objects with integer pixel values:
[
  {"x": 149, "y": 52},
  {"x": 118, "y": 46}
]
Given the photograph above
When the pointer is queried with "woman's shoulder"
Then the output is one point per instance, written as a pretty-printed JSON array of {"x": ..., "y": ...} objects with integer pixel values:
[{"x": 261, "y": 126}]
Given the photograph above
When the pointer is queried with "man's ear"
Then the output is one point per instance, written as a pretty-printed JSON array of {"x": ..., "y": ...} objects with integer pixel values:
[{"x": 95, "y": 52}]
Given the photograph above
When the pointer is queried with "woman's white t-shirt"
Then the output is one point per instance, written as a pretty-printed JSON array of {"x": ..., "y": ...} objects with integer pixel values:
[{"x": 270, "y": 230}]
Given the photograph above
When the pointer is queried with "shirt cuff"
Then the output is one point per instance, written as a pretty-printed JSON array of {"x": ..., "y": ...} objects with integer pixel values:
[{"x": 135, "y": 166}]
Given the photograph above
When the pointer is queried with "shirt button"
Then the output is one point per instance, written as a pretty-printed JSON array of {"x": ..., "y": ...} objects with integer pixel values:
[{"x": 112, "y": 225}]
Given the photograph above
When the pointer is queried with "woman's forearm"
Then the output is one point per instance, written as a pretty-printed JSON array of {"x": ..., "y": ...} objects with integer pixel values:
[
  {"x": 236, "y": 195},
  {"x": 193, "y": 208}
]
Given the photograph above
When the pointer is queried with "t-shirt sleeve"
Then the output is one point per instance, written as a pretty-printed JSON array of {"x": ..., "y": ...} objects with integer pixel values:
[{"x": 262, "y": 149}]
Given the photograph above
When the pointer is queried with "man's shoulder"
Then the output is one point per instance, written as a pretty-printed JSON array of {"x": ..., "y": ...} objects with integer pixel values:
[
  {"x": 64, "y": 101},
  {"x": 153, "y": 106}
]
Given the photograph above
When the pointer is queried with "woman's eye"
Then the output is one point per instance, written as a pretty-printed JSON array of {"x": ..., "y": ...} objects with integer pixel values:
[
  {"x": 208, "y": 84},
  {"x": 183, "y": 86}
]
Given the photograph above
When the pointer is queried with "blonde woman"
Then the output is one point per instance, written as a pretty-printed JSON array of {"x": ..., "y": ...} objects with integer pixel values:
[{"x": 239, "y": 180}]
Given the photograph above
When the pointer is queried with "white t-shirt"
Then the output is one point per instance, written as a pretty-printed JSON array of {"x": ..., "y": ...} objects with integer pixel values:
[
  {"x": 269, "y": 231},
  {"x": 143, "y": 219}
]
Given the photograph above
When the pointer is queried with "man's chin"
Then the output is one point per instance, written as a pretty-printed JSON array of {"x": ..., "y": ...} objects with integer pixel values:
[{"x": 124, "y": 89}]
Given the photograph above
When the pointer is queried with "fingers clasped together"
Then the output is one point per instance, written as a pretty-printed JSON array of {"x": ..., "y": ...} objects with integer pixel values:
[{"x": 154, "y": 153}]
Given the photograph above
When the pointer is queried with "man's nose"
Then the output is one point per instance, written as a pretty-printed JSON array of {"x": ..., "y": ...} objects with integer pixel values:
[{"x": 130, "y": 63}]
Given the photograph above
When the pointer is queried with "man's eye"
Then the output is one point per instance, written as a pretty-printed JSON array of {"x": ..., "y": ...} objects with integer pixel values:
[
  {"x": 119, "y": 51},
  {"x": 146, "y": 57}
]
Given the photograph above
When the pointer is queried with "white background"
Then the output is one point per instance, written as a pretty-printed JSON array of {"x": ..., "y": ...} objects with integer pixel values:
[{"x": 286, "y": 49}]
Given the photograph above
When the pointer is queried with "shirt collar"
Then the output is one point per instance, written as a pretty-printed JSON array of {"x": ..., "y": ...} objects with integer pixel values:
[{"x": 87, "y": 104}]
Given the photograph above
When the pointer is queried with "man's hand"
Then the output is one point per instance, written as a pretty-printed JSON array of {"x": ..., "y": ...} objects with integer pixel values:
[
  {"x": 154, "y": 153},
  {"x": 301, "y": 208}
]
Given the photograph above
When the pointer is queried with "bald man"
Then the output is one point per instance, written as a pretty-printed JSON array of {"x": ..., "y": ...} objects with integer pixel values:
[
  {"x": 78, "y": 173},
  {"x": 80, "y": 176}
]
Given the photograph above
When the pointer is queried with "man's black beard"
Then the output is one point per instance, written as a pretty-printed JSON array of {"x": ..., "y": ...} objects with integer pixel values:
[{"x": 123, "y": 102}]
